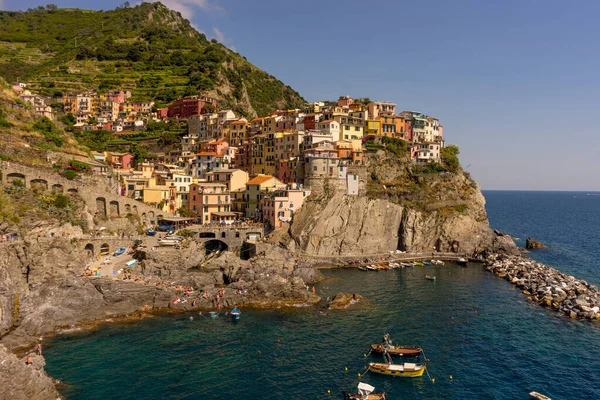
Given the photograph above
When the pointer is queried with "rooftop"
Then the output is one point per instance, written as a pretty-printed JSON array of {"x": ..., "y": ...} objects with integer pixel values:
[{"x": 260, "y": 179}]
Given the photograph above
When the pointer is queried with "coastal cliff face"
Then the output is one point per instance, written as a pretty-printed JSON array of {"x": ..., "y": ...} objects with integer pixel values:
[{"x": 401, "y": 210}]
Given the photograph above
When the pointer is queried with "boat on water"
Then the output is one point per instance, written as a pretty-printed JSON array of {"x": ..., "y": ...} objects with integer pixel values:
[
  {"x": 120, "y": 251},
  {"x": 236, "y": 313},
  {"x": 419, "y": 264},
  {"x": 150, "y": 232},
  {"x": 213, "y": 314},
  {"x": 538, "y": 396},
  {"x": 462, "y": 261},
  {"x": 437, "y": 262},
  {"x": 426, "y": 262},
  {"x": 406, "y": 265},
  {"x": 372, "y": 268},
  {"x": 362, "y": 268},
  {"x": 429, "y": 277},
  {"x": 405, "y": 370},
  {"x": 365, "y": 392},
  {"x": 395, "y": 351}
]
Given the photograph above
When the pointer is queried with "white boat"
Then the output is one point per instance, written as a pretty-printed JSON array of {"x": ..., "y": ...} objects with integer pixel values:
[
  {"x": 538, "y": 396},
  {"x": 365, "y": 392},
  {"x": 372, "y": 268},
  {"x": 462, "y": 261}
]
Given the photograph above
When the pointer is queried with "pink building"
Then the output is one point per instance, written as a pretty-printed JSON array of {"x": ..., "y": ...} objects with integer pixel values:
[
  {"x": 120, "y": 160},
  {"x": 218, "y": 146},
  {"x": 280, "y": 206},
  {"x": 345, "y": 101}
]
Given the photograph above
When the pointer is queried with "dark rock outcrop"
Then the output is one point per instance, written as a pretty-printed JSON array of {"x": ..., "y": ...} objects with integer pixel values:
[
  {"x": 531, "y": 243},
  {"x": 343, "y": 300},
  {"x": 20, "y": 381}
]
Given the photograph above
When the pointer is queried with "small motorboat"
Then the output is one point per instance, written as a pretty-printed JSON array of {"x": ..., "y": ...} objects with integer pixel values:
[
  {"x": 406, "y": 265},
  {"x": 418, "y": 264},
  {"x": 405, "y": 370},
  {"x": 462, "y": 261},
  {"x": 362, "y": 268},
  {"x": 427, "y": 263},
  {"x": 365, "y": 392},
  {"x": 213, "y": 314},
  {"x": 372, "y": 268},
  {"x": 397, "y": 351},
  {"x": 538, "y": 396},
  {"x": 120, "y": 251},
  {"x": 429, "y": 277},
  {"x": 236, "y": 313},
  {"x": 150, "y": 232}
]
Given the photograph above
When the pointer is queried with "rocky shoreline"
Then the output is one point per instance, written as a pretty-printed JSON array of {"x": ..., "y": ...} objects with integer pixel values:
[{"x": 548, "y": 286}]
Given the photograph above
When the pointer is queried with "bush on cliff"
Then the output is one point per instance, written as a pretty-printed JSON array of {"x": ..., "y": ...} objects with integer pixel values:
[
  {"x": 8, "y": 211},
  {"x": 46, "y": 127},
  {"x": 449, "y": 155}
]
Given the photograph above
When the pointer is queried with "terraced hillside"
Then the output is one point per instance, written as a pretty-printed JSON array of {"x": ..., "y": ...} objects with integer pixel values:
[{"x": 148, "y": 49}]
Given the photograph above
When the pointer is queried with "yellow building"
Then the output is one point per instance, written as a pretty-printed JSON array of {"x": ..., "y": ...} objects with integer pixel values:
[
  {"x": 372, "y": 127},
  {"x": 255, "y": 190},
  {"x": 235, "y": 131},
  {"x": 233, "y": 179}
]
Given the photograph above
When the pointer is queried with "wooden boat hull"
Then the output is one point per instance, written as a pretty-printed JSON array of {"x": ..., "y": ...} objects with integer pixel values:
[
  {"x": 383, "y": 369},
  {"x": 397, "y": 351},
  {"x": 358, "y": 396}
]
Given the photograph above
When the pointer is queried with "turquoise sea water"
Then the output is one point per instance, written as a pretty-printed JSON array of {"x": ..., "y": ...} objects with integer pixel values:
[{"x": 474, "y": 327}]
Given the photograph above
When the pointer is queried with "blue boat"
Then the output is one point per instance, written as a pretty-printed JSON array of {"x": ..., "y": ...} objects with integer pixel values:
[
  {"x": 150, "y": 232},
  {"x": 236, "y": 313},
  {"x": 120, "y": 251}
]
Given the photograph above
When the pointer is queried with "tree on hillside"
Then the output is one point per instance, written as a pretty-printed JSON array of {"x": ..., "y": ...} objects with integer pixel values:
[
  {"x": 208, "y": 108},
  {"x": 449, "y": 155}
]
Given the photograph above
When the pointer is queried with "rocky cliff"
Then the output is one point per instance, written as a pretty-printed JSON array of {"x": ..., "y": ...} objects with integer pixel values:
[{"x": 402, "y": 208}]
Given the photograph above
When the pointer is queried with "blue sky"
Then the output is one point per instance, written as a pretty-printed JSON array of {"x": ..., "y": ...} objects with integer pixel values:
[{"x": 515, "y": 83}]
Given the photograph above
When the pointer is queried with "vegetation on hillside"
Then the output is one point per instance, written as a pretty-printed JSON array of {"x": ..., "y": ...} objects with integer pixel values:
[
  {"x": 26, "y": 206},
  {"x": 148, "y": 49}
]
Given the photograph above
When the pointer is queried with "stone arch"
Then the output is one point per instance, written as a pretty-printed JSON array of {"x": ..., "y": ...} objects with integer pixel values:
[
  {"x": 223, "y": 235},
  {"x": 128, "y": 208},
  {"x": 215, "y": 245},
  {"x": 237, "y": 234},
  {"x": 135, "y": 209},
  {"x": 72, "y": 191},
  {"x": 114, "y": 208},
  {"x": 204, "y": 235},
  {"x": 15, "y": 176},
  {"x": 104, "y": 249},
  {"x": 57, "y": 187},
  {"x": 143, "y": 214},
  {"x": 151, "y": 214},
  {"x": 89, "y": 249},
  {"x": 40, "y": 183},
  {"x": 101, "y": 206},
  {"x": 160, "y": 216}
]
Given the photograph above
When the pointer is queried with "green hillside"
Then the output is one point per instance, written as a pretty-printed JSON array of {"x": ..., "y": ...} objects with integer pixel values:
[{"x": 147, "y": 49}]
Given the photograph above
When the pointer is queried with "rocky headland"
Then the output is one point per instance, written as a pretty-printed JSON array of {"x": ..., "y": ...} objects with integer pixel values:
[{"x": 548, "y": 286}]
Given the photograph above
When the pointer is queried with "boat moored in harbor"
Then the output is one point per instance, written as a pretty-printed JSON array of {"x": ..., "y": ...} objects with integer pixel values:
[
  {"x": 365, "y": 392},
  {"x": 405, "y": 370},
  {"x": 236, "y": 313}
]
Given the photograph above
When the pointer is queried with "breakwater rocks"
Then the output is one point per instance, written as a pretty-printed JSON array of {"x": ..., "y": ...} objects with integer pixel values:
[{"x": 548, "y": 287}]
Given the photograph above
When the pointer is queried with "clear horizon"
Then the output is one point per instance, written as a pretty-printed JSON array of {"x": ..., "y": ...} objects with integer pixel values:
[{"x": 514, "y": 84}]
